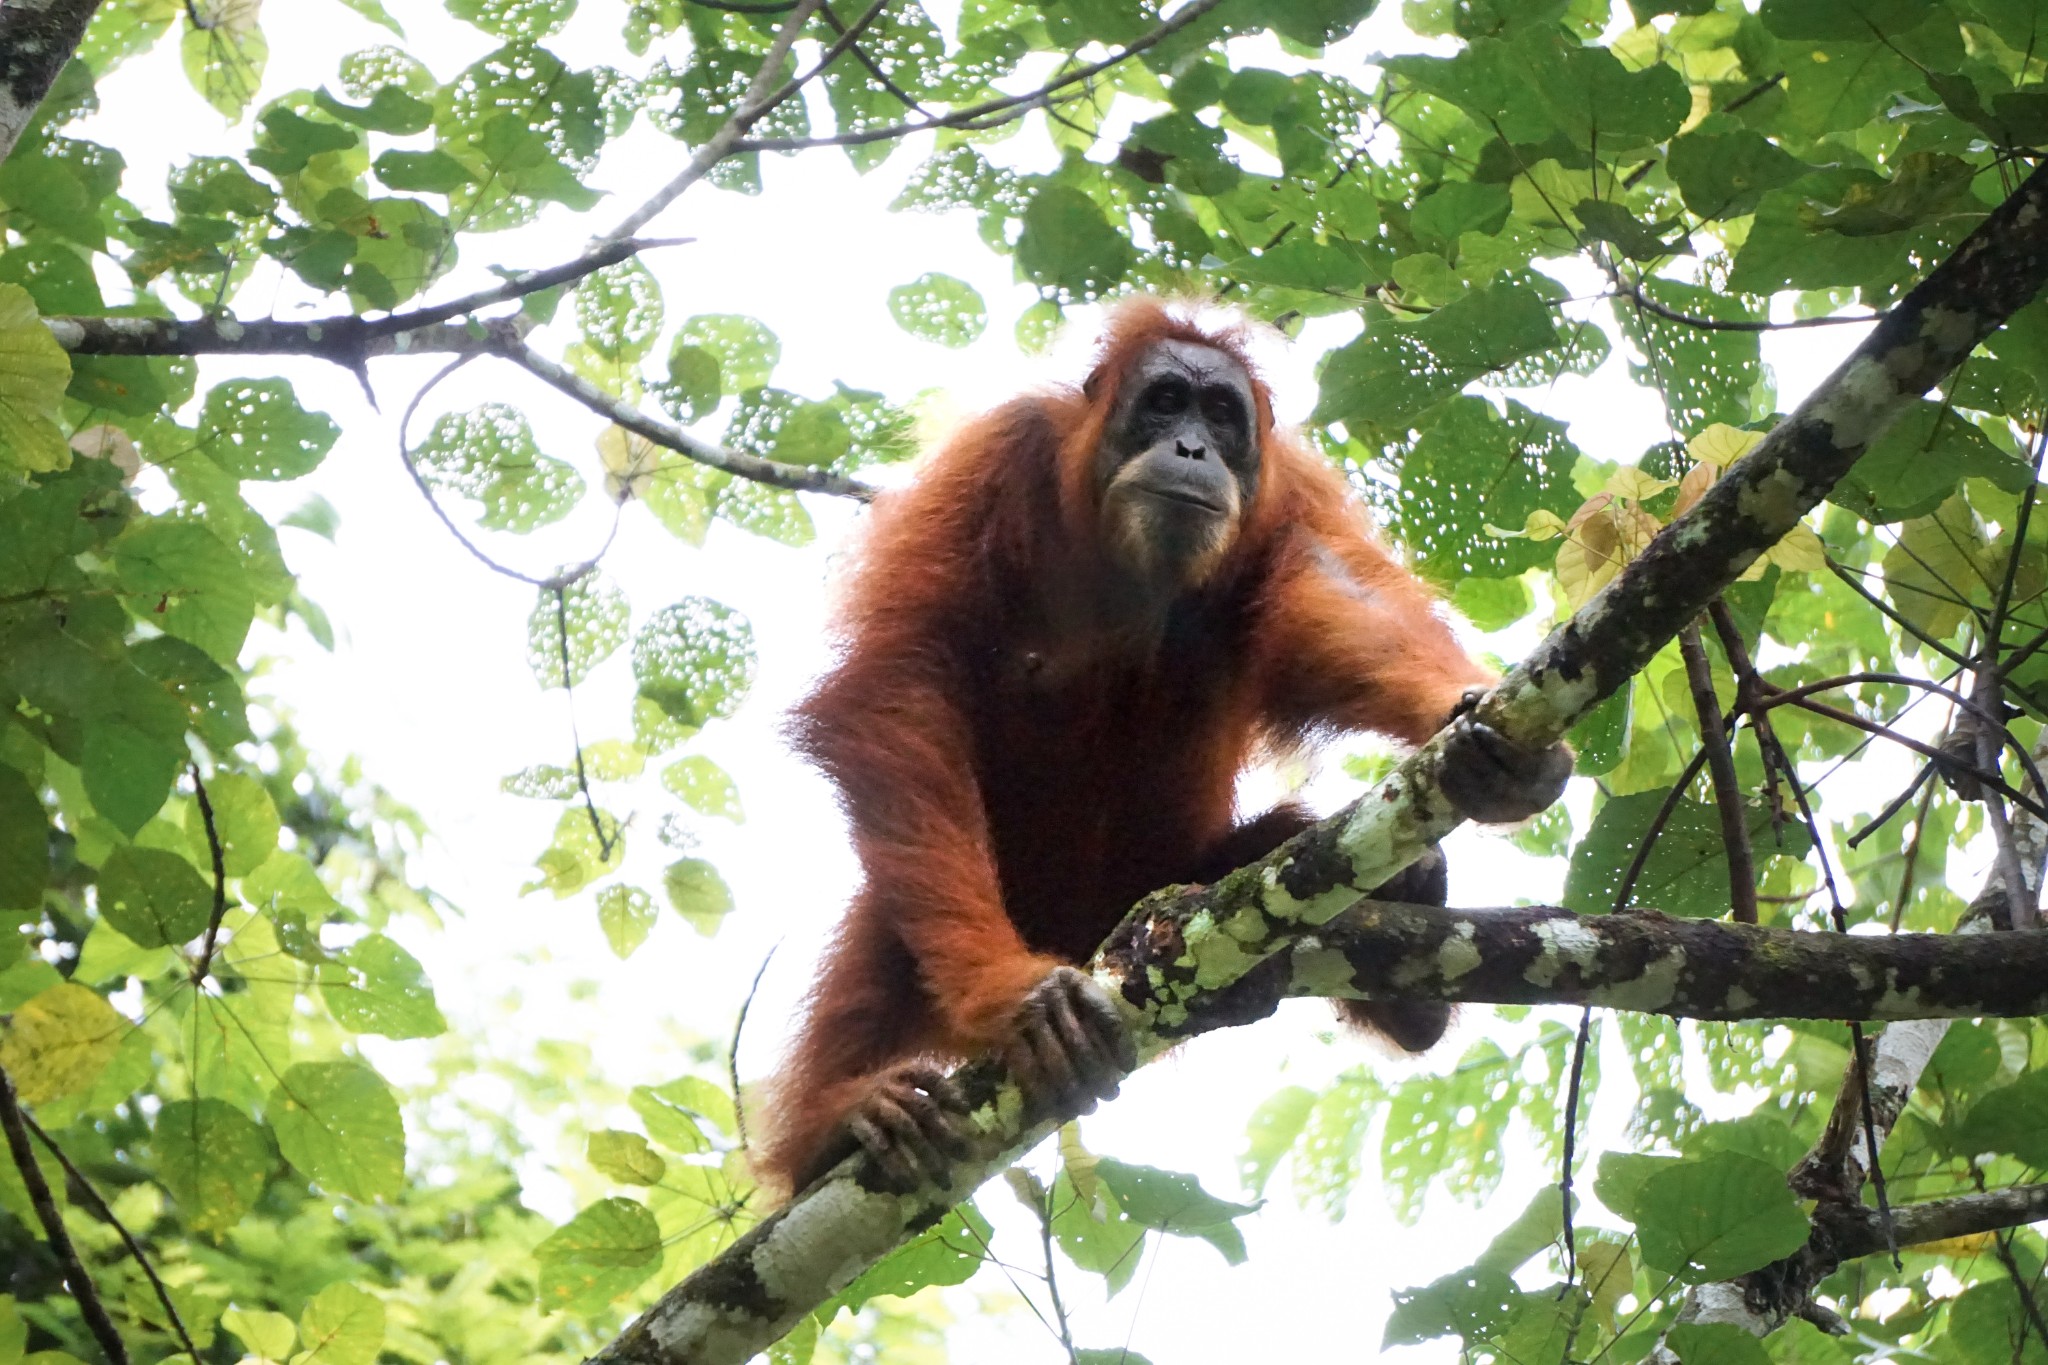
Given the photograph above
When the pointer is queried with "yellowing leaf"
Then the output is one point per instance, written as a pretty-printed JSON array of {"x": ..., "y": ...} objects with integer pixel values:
[
  {"x": 60, "y": 1041},
  {"x": 629, "y": 462},
  {"x": 1635, "y": 483},
  {"x": 33, "y": 374},
  {"x": 1693, "y": 487},
  {"x": 1603, "y": 535},
  {"x": 1541, "y": 524},
  {"x": 1800, "y": 551},
  {"x": 269, "y": 1336},
  {"x": 1721, "y": 445}
]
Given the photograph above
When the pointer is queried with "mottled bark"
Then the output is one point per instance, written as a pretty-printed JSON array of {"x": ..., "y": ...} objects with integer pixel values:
[
  {"x": 1179, "y": 950},
  {"x": 36, "y": 38}
]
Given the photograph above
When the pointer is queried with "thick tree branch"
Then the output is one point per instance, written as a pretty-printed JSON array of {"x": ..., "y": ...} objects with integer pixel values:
[
  {"x": 346, "y": 341},
  {"x": 1180, "y": 948},
  {"x": 36, "y": 38}
]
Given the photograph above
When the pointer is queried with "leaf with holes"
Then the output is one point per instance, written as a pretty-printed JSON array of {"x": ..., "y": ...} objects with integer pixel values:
[
  {"x": 625, "y": 914},
  {"x": 940, "y": 309},
  {"x": 704, "y": 787},
  {"x": 579, "y": 855},
  {"x": 597, "y": 617},
  {"x": 489, "y": 456},
  {"x": 375, "y": 986},
  {"x": 745, "y": 350},
  {"x": 255, "y": 429},
  {"x": 1386, "y": 379},
  {"x": 618, "y": 310},
  {"x": 695, "y": 660}
]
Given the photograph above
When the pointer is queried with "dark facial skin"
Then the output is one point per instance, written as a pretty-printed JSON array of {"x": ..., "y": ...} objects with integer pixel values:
[{"x": 1179, "y": 460}]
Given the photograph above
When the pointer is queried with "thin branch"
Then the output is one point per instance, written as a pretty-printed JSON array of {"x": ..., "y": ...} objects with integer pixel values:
[
  {"x": 979, "y": 116},
  {"x": 882, "y": 78},
  {"x": 87, "y": 1294},
  {"x": 1913, "y": 632},
  {"x": 796, "y": 478},
  {"x": 1635, "y": 295},
  {"x": 606, "y": 841},
  {"x": 220, "y": 879},
  {"x": 552, "y": 582},
  {"x": 1925, "y": 750},
  {"x": 105, "y": 1212},
  {"x": 1721, "y": 764},
  {"x": 732, "y": 1054},
  {"x": 759, "y": 100}
]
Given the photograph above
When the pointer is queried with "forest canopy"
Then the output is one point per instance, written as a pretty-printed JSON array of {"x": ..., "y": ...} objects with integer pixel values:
[{"x": 1796, "y": 640}]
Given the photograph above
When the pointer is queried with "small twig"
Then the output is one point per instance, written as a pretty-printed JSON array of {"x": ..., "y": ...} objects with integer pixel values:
[
  {"x": 220, "y": 880},
  {"x": 732, "y": 1054},
  {"x": 1893, "y": 807},
  {"x": 2002, "y": 1240},
  {"x": 1848, "y": 576},
  {"x": 1913, "y": 849},
  {"x": 752, "y": 108},
  {"x": 554, "y": 581},
  {"x": 605, "y": 842},
  {"x": 1580, "y": 1045},
  {"x": 1656, "y": 829},
  {"x": 105, "y": 1212},
  {"x": 1635, "y": 295},
  {"x": 796, "y": 478},
  {"x": 1721, "y": 765},
  {"x": 1928, "y": 751},
  {"x": 1052, "y": 1276},
  {"x": 87, "y": 1295},
  {"x": 903, "y": 97},
  {"x": 1001, "y": 110}
]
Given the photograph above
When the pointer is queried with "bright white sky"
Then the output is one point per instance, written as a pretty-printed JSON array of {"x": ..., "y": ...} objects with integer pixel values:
[{"x": 429, "y": 687}]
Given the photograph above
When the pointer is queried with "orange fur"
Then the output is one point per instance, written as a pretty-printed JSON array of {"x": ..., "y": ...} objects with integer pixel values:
[{"x": 1020, "y": 764}]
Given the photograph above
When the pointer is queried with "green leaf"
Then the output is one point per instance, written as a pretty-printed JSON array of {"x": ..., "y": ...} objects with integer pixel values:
[
  {"x": 255, "y": 429},
  {"x": 376, "y": 986},
  {"x": 154, "y": 898},
  {"x": 24, "y": 843},
  {"x": 625, "y": 1157},
  {"x": 2012, "y": 1119},
  {"x": 1516, "y": 465},
  {"x": 1177, "y": 1204},
  {"x": 1067, "y": 245},
  {"x": 1474, "y": 1304},
  {"x": 625, "y": 914},
  {"x": 1686, "y": 872},
  {"x": 339, "y": 1124},
  {"x": 697, "y": 893},
  {"x": 778, "y": 425},
  {"x": 1916, "y": 464},
  {"x": 578, "y": 856},
  {"x": 947, "y": 1254},
  {"x": 704, "y": 787},
  {"x": 1390, "y": 376},
  {"x": 597, "y": 616},
  {"x": 675, "y": 1112},
  {"x": 34, "y": 372},
  {"x": 1725, "y": 175},
  {"x": 940, "y": 309},
  {"x": 619, "y": 310},
  {"x": 746, "y": 351},
  {"x": 1271, "y": 1132},
  {"x": 269, "y": 1336},
  {"x": 695, "y": 660},
  {"x": 225, "y": 60},
  {"x": 1937, "y": 567},
  {"x": 601, "y": 1253},
  {"x": 341, "y": 1326},
  {"x": 213, "y": 1159},
  {"x": 1717, "y": 1217},
  {"x": 522, "y": 19},
  {"x": 390, "y": 110},
  {"x": 695, "y": 382},
  {"x": 429, "y": 172},
  {"x": 488, "y": 455},
  {"x": 1095, "y": 1234},
  {"x": 1311, "y": 22},
  {"x": 58, "y": 1043},
  {"x": 181, "y": 577},
  {"x": 244, "y": 819}
]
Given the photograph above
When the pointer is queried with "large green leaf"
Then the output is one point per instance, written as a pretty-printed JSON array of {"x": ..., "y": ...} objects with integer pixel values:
[
  {"x": 1389, "y": 377},
  {"x": 213, "y": 1159},
  {"x": 33, "y": 374},
  {"x": 488, "y": 455},
  {"x": 695, "y": 660},
  {"x": 338, "y": 1122}
]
